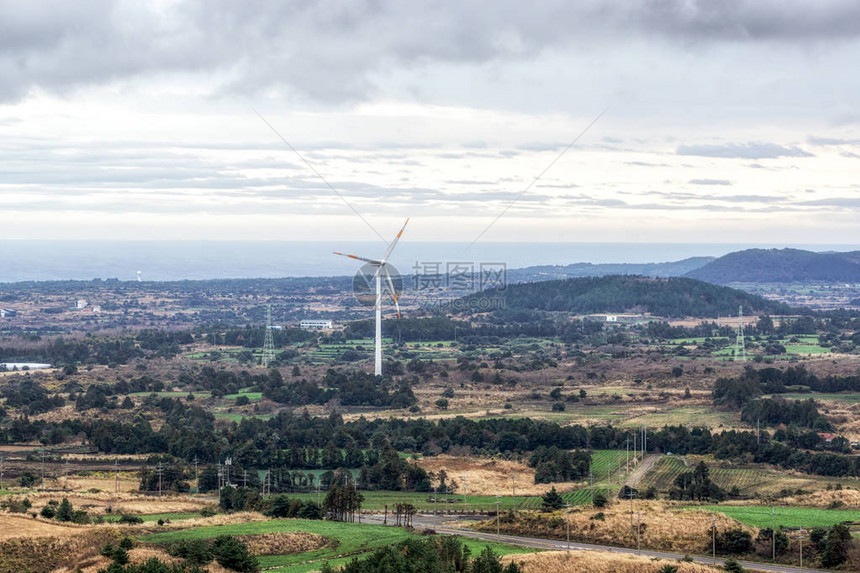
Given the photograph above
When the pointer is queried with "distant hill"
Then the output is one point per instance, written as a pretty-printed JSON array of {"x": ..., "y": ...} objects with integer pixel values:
[
  {"x": 780, "y": 266},
  {"x": 549, "y": 272},
  {"x": 669, "y": 297}
]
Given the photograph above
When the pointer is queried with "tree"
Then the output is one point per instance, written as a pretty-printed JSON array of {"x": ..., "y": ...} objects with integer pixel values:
[
  {"x": 552, "y": 501},
  {"x": 442, "y": 403},
  {"x": 65, "y": 510},
  {"x": 734, "y": 541},
  {"x": 732, "y": 565},
  {"x": 600, "y": 499},
  {"x": 837, "y": 545},
  {"x": 488, "y": 562},
  {"x": 233, "y": 554}
]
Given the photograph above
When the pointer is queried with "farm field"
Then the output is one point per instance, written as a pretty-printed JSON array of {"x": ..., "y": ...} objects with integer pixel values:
[
  {"x": 684, "y": 415},
  {"x": 760, "y": 516},
  {"x": 352, "y": 539},
  {"x": 749, "y": 481},
  {"x": 847, "y": 397}
]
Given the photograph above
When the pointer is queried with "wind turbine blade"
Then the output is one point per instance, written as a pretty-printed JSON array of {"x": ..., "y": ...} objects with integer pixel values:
[
  {"x": 391, "y": 288},
  {"x": 356, "y": 257},
  {"x": 394, "y": 242}
]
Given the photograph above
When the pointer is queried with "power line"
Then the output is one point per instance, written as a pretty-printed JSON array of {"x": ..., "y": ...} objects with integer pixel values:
[
  {"x": 536, "y": 179},
  {"x": 323, "y": 179}
]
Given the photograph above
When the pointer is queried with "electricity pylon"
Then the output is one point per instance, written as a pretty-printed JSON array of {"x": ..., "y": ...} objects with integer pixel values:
[
  {"x": 268, "y": 343},
  {"x": 740, "y": 347}
]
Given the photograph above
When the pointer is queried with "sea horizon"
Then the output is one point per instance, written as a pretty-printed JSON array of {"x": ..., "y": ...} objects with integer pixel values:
[{"x": 49, "y": 260}]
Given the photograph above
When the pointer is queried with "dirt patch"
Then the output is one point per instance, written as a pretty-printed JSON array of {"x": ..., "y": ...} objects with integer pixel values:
[
  {"x": 598, "y": 562},
  {"x": 490, "y": 477}
]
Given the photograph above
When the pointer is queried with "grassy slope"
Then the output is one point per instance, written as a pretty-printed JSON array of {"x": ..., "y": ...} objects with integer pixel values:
[
  {"x": 353, "y": 539},
  {"x": 760, "y": 516}
]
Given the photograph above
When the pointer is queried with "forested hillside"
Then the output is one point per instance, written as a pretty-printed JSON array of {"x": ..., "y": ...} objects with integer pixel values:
[
  {"x": 672, "y": 297},
  {"x": 780, "y": 266}
]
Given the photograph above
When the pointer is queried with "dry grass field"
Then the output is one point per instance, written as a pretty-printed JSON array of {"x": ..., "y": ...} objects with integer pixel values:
[
  {"x": 598, "y": 562},
  {"x": 98, "y": 503},
  {"x": 662, "y": 528},
  {"x": 844, "y": 499},
  {"x": 486, "y": 477},
  {"x": 13, "y": 526}
]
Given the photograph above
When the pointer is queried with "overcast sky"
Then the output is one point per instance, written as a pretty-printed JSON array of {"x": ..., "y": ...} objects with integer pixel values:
[{"x": 726, "y": 121}]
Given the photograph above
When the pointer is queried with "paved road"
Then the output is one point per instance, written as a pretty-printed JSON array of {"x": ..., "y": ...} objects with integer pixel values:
[{"x": 436, "y": 522}]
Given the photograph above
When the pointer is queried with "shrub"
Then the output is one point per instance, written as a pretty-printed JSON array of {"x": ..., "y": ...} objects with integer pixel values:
[{"x": 130, "y": 519}]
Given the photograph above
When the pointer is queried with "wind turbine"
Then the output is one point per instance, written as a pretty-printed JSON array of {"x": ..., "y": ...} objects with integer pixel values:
[{"x": 381, "y": 267}]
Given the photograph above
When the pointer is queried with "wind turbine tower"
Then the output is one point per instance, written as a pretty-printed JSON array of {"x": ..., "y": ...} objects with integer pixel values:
[
  {"x": 380, "y": 267},
  {"x": 268, "y": 342},
  {"x": 740, "y": 346}
]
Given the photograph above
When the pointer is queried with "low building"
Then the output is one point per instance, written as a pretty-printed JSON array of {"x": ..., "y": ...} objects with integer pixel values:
[
  {"x": 8, "y": 312},
  {"x": 316, "y": 325}
]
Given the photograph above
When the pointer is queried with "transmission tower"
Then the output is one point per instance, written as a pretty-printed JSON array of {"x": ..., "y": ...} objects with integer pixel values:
[
  {"x": 740, "y": 347},
  {"x": 268, "y": 342}
]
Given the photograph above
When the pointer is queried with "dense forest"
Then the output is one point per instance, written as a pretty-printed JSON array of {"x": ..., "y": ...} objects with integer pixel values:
[
  {"x": 191, "y": 432},
  {"x": 673, "y": 297}
]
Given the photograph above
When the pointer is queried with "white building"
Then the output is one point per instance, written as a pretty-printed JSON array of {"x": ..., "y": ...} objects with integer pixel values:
[
  {"x": 81, "y": 303},
  {"x": 316, "y": 324},
  {"x": 4, "y": 312}
]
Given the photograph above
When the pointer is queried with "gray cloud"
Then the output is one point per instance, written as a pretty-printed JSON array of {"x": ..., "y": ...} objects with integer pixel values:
[
  {"x": 844, "y": 202},
  {"x": 710, "y": 182},
  {"x": 751, "y": 150},
  {"x": 330, "y": 52}
]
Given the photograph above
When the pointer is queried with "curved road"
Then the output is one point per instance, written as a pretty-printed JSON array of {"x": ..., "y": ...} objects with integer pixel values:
[{"x": 435, "y": 522}]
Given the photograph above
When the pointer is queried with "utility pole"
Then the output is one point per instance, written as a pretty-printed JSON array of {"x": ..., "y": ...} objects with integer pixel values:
[
  {"x": 160, "y": 469},
  {"x": 567, "y": 521},
  {"x": 628, "y": 454},
  {"x": 116, "y": 475},
  {"x": 196, "y": 475},
  {"x": 644, "y": 441},
  {"x": 638, "y": 530},
  {"x": 244, "y": 478},
  {"x": 591, "y": 486},
  {"x": 714, "y": 536},
  {"x": 773, "y": 533},
  {"x": 1, "y": 472},
  {"x": 800, "y": 539},
  {"x": 43, "y": 469},
  {"x": 498, "y": 515},
  {"x": 514, "y": 485},
  {"x": 630, "y": 495}
]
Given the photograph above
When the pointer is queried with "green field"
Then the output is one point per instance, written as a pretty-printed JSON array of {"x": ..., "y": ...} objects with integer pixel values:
[
  {"x": 353, "y": 538},
  {"x": 605, "y": 465},
  {"x": 759, "y": 516},
  {"x": 848, "y": 397},
  {"x": 805, "y": 349}
]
